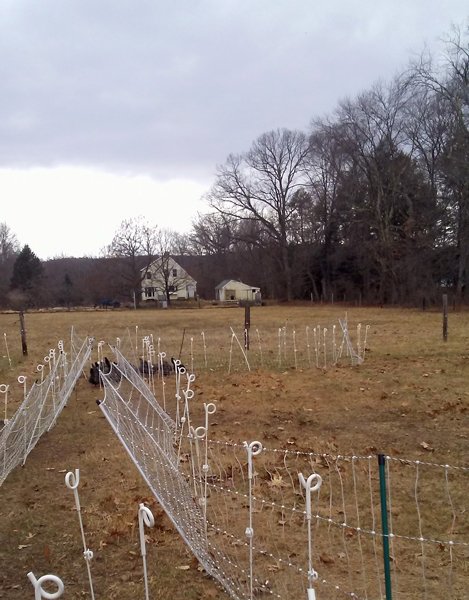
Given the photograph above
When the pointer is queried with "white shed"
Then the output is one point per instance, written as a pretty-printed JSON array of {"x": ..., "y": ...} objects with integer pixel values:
[{"x": 232, "y": 290}]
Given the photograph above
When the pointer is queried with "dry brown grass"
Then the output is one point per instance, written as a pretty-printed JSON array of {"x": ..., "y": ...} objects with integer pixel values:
[{"x": 411, "y": 389}]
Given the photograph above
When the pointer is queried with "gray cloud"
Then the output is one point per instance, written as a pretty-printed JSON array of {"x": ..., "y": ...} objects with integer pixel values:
[{"x": 171, "y": 88}]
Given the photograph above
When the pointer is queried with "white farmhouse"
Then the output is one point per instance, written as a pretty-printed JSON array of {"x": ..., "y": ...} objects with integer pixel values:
[
  {"x": 232, "y": 290},
  {"x": 166, "y": 280}
]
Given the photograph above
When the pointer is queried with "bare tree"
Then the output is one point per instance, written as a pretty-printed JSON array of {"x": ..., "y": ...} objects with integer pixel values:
[
  {"x": 9, "y": 245},
  {"x": 449, "y": 89},
  {"x": 326, "y": 167},
  {"x": 9, "y": 250},
  {"x": 213, "y": 233},
  {"x": 182, "y": 244},
  {"x": 260, "y": 184},
  {"x": 134, "y": 244}
]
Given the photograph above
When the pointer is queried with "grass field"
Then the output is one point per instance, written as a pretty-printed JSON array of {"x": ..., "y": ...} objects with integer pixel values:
[{"x": 408, "y": 399}]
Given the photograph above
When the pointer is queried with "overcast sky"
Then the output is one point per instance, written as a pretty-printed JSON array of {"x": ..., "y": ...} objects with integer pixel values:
[{"x": 118, "y": 108}]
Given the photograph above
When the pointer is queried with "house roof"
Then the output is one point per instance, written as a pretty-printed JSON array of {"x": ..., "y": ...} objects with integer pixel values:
[
  {"x": 225, "y": 282},
  {"x": 173, "y": 259}
]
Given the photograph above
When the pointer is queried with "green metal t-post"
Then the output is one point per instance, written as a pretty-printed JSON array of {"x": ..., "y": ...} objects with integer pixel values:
[{"x": 384, "y": 524}]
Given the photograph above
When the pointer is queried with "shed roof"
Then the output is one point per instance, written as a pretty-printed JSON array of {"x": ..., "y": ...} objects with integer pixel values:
[{"x": 225, "y": 282}]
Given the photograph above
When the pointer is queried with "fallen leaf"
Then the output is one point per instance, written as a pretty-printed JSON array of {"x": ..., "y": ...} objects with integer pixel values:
[
  {"x": 427, "y": 447},
  {"x": 21, "y": 546},
  {"x": 277, "y": 482}
]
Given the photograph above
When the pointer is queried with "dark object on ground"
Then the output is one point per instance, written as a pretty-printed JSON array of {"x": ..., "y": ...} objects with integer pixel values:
[
  {"x": 105, "y": 366},
  {"x": 107, "y": 303},
  {"x": 180, "y": 367},
  {"x": 146, "y": 368}
]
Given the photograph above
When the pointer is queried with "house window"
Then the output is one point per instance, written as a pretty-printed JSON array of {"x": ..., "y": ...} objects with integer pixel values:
[
  {"x": 175, "y": 272},
  {"x": 148, "y": 275},
  {"x": 171, "y": 288},
  {"x": 149, "y": 292}
]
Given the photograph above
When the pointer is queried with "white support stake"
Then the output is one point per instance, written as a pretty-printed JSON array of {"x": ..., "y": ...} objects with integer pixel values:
[
  {"x": 309, "y": 488},
  {"x": 22, "y": 379},
  {"x": 252, "y": 449},
  {"x": 145, "y": 517},
  {"x": 4, "y": 390},
  {"x": 71, "y": 481},
  {"x": 6, "y": 347}
]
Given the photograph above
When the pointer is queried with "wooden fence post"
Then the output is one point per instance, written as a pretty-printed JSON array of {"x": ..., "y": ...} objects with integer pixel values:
[
  {"x": 24, "y": 344},
  {"x": 445, "y": 317}
]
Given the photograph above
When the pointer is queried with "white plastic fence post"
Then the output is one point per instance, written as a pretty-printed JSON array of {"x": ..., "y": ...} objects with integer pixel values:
[
  {"x": 325, "y": 347},
  {"x": 295, "y": 349},
  {"x": 309, "y": 488},
  {"x": 71, "y": 481},
  {"x": 192, "y": 354},
  {"x": 334, "y": 346},
  {"x": 231, "y": 351},
  {"x": 22, "y": 379},
  {"x": 178, "y": 371},
  {"x": 252, "y": 449},
  {"x": 39, "y": 592},
  {"x": 40, "y": 369},
  {"x": 161, "y": 357},
  {"x": 205, "y": 348},
  {"x": 6, "y": 347},
  {"x": 308, "y": 352},
  {"x": 196, "y": 435},
  {"x": 260, "y": 346},
  {"x": 145, "y": 517},
  {"x": 209, "y": 409},
  {"x": 4, "y": 390}
]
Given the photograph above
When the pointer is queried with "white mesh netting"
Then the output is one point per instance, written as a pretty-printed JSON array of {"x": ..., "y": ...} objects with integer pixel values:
[
  {"x": 42, "y": 403},
  {"x": 242, "y": 509}
]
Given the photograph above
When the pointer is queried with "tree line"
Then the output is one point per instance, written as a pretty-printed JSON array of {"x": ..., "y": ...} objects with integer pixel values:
[{"x": 370, "y": 205}]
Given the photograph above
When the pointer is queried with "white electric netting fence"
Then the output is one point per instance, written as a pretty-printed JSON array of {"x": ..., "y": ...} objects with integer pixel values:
[
  {"x": 248, "y": 515},
  {"x": 233, "y": 349},
  {"x": 42, "y": 403},
  {"x": 148, "y": 435}
]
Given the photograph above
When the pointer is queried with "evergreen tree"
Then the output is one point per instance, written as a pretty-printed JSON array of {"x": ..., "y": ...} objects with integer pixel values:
[{"x": 27, "y": 276}]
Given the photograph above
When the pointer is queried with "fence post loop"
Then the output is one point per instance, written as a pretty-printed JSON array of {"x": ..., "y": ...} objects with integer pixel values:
[
  {"x": 145, "y": 518},
  {"x": 310, "y": 485},
  {"x": 40, "y": 592}
]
